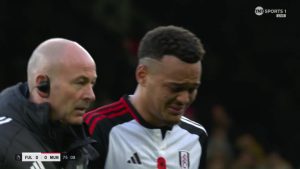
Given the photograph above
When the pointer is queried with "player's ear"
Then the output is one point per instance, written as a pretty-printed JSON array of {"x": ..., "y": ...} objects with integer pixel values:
[{"x": 141, "y": 74}]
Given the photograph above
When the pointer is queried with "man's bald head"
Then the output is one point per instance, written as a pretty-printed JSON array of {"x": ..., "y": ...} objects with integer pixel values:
[{"x": 48, "y": 56}]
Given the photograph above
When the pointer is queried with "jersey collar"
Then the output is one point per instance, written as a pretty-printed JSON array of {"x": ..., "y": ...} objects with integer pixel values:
[{"x": 139, "y": 118}]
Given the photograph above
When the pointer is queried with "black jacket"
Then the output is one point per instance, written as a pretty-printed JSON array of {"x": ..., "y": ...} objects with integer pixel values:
[{"x": 25, "y": 127}]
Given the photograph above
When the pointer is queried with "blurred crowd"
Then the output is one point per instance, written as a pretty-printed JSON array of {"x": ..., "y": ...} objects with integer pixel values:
[{"x": 242, "y": 150}]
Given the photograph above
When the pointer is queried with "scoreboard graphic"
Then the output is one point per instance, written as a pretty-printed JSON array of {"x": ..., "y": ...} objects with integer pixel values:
[{"x": 44, "y": 156}]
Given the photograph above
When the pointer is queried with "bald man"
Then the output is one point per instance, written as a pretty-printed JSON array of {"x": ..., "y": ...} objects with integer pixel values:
[{"x": 45, "y": 113}]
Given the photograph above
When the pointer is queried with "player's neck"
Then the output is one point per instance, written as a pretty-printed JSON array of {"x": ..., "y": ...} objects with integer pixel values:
[{"x": 138, "y": 103}]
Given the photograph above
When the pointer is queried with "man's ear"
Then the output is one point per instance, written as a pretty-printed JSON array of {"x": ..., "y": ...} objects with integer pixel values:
[
  {"x": 42, "y": 83},
  {"x": 141, "y": 73}
]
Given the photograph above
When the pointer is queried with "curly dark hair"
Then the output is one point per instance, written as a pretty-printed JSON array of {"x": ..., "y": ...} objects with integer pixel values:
[{"x": 171, "y": 40}]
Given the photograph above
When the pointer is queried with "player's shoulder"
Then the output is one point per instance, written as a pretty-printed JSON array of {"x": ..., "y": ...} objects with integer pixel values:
[
  {"x": 192, "y": 126},
  {"x": 110, "y": 111},
  {"x": 106, "y": 117}
]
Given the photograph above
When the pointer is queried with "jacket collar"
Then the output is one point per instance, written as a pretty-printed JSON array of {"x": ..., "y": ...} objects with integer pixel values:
[{"x": 15, "y": 104}]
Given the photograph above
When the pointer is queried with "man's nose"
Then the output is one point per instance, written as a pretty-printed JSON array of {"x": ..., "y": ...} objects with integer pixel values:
[{"x": 89, "y": 94}]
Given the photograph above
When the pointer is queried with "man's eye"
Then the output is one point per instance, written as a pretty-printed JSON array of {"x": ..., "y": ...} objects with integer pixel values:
[
  {"x": 80, "y": 83},
  {"x": 176, "y": 89},
  {"x": 179, "y": 89}
]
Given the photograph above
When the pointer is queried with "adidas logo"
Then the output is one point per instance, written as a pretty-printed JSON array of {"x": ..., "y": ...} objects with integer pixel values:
[
  {"x": 4, "y": 120},
  {"x": 37, "y": 165},
  {"x": 135, "y": 159}
]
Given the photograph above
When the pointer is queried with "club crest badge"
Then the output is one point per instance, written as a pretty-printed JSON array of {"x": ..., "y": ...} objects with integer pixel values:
[{"x": 184, "y": 159}]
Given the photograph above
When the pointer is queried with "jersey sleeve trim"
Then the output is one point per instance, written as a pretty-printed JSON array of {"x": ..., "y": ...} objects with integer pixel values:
[{"x": 193, "y": 123}]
